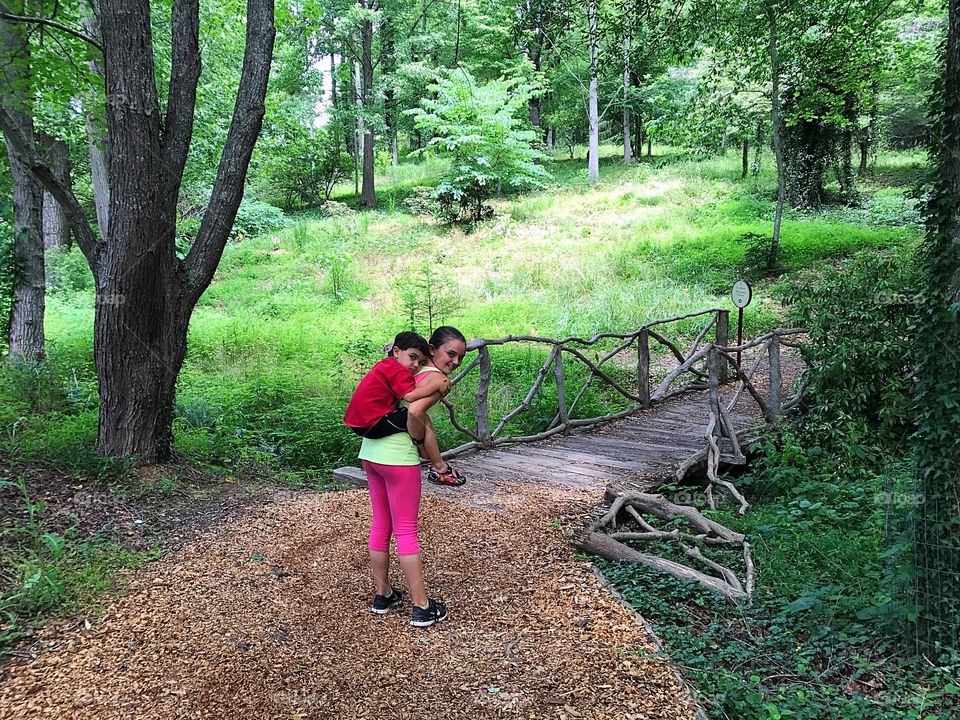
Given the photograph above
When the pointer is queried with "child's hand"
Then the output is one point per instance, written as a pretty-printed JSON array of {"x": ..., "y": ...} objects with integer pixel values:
[{"x": 444, "y": 387}]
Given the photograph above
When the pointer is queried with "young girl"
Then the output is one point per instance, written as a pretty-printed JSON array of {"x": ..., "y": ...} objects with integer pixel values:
[{"x": 392, "y": 466}]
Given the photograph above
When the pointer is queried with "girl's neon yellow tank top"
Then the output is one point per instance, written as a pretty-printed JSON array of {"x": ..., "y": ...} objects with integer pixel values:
[{"x": 397, "y": 449}]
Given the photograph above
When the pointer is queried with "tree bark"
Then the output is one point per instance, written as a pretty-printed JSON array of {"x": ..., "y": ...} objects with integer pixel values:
[
  {"x": 593, "y": 153},
  {"x": 358, "y": 142},
  {"x": 745, "y": 159},
  {"x": 25, "y": 336},
  {"x": 56, "y": 230},
  {"x": 777, "y": 139}
]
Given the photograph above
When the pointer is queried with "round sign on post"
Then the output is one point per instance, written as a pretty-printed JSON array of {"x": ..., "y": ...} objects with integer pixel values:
[{"x": 742, "y": 293}]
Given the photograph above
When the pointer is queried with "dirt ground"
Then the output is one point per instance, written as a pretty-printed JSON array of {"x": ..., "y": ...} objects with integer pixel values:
[{"x": 267, "y": 616}]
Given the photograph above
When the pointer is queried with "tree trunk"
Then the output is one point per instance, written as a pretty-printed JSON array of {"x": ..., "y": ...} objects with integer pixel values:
[
  {"x": 25, "y": 333},
  {"x": 96, "y": 130},
  {"x": 627, "y": 150},
  {"x": 777, "y": 141},
  {"x": 533, "y": 106},
  {"x": 846, "y": 179},
  {"x": 867, "y": 134},
  {"x": 358, "y": 141},
  {"x": 649, "y": 146},
  {"x": 369, "y": 194},
  {"x": 56, "y": 231},
  {"x": 745, "y": 159},
  {"x": 550, "y": 139},
  {"x": 593, "y": 153}
]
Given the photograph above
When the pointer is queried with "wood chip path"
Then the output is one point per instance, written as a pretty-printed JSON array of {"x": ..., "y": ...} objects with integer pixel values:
[{"x": 268, "y": 617}]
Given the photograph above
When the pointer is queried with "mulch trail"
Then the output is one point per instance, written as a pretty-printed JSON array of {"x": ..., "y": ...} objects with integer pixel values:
[{"x": 268, "y": 617}]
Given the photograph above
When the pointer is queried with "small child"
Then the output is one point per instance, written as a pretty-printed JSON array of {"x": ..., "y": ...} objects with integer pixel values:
[{"x": 374, "y": 410}]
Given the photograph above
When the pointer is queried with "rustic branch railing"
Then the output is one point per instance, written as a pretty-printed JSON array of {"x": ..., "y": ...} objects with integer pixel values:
[
  {"x": 705, "y": 365},
  {"x": 488, "y": 433}
]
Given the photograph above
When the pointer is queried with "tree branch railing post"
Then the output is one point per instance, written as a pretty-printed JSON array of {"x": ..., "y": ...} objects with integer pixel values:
[
  {"x": 562, "y": 412},
  {"x": 723, "y": 337},
  {"x": 483, "y": 402},
  {"x": 643, "y": 367},
  {"x": 774, "y": 399}
]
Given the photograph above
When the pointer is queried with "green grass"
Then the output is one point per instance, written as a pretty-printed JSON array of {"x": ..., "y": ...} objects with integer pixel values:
[{"x": 294, "y": 317}]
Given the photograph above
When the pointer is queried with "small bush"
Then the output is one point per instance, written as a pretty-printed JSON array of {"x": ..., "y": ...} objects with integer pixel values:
[{"x": 255, "y": 218}]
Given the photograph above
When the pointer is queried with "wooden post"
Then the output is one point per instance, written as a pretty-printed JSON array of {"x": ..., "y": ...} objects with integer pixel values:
[
  {"x": 483, "y": 407},
  {"x": 713, "y": 383},
  {"x": 723, "y": 339},
  {"x": 774, "y": 402},
  {"x": 643, "y": 367},
  {"x": 561, "y": 396}
]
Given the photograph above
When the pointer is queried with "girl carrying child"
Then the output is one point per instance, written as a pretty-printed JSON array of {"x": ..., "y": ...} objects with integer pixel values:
[{"x": 392, "y": 465}]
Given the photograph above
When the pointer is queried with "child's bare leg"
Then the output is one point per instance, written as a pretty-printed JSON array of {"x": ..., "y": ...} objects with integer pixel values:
[
  {"x": 416, "y": 418},
  {"x": 430, "y": 449}
]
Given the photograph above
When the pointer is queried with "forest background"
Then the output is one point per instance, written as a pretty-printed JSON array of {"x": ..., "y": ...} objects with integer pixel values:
[{"x": 508, "y": 167}]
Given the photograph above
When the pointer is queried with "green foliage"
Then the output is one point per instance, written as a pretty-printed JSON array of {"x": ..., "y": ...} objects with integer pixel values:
[
  {"x": 337, "y": 266},
  {"x": 255, "y": 217},
  {"x": 47, "y": 572},
  {"x": 67, "y": 270},
  {"x": 306, "y": 166},
  {"x": 937, "y": 355},
  {"x": 860, "y": 313},
  {"x": 478, "y": 129},
  {"x": 428, "y": 297}
]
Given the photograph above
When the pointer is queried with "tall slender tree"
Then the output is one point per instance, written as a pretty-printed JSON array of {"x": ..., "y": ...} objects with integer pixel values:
[{"x": 25, "y": 338}]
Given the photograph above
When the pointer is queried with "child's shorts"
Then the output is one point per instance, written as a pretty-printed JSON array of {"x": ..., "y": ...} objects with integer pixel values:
[{"x": 390, "y": 424}]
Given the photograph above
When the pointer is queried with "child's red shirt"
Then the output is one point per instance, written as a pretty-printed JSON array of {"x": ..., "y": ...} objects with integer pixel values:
[{"x": 378, "y": 393}]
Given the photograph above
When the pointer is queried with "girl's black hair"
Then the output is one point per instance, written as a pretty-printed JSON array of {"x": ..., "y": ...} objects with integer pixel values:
[
  {"x": 445, "y": 333},
  {"x": 408, "y": 340}
]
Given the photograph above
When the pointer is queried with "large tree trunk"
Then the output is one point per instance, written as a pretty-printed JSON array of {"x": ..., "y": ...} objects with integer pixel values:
[
  {"x": 144, "y": 294},
  {"x": 593, "y": 153},
  {"x": 777, "y": 141},
  {"x": 56, "y": 230},
  {"x": 369, "y": 194},
  {"x": 25, "y": 333}
]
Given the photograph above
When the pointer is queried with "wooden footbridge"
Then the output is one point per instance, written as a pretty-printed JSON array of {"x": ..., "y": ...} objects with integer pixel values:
[{"x": 652, "y": 403}]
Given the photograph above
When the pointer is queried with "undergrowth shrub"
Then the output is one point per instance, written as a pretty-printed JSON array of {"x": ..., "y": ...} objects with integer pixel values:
[{"x": 833, "y": 505}]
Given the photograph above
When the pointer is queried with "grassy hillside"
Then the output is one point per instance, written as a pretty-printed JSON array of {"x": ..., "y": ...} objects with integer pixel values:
[{"x": 293, "y": 317}]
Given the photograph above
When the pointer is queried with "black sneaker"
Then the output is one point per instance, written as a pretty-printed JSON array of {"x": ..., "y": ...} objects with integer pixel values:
[
  {"x": 425, "y": 617},
  {"x": 383, "y": 603}
]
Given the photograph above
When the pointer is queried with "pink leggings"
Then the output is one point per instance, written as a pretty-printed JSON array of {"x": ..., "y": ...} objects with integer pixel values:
[{"x": 395, "y": 497}]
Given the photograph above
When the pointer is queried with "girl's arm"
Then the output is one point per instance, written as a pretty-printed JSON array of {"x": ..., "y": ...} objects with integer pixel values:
[{"x": 427, "y": 388}]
